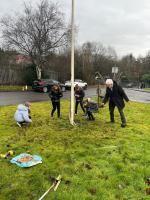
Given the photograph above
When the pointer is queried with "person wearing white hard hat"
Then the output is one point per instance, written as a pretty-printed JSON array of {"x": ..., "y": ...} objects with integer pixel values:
[{"x": 116, "y": 96}]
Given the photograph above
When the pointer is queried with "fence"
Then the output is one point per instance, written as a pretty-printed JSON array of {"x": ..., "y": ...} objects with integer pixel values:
[
  {"x": 21, "y": 74},
  {"x": 11, "y": 75}
]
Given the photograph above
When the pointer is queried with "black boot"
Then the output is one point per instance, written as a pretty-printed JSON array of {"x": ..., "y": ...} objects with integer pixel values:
[{"x": 123, "y": 125}]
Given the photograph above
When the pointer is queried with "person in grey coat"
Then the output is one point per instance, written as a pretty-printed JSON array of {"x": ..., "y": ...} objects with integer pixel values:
[
  {"x": 116, "y": 96},
  {"x": 22, "y": 114}
]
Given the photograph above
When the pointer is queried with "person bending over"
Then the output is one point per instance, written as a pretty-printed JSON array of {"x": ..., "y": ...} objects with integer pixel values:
[
  {"x": 90, "y": 107},
  {"x": 116, "y": 96},
  {"x": 22, "y": 114}
]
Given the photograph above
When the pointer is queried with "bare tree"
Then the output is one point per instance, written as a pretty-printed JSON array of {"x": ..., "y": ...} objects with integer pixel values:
[
  {"x": 111, "y": 53},
  {"x": 87, "y": 61},
  {"x": 36, "y": 32},
  {"x": 96, "y": 57}
]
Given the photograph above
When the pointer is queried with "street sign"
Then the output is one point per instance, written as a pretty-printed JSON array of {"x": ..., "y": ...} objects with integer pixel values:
[
  {"x": 99, "y": 77},
  {"x": 114, "y": 70}
]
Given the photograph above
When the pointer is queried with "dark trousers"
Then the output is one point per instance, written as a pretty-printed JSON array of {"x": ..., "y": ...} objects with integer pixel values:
[
  {"x": 90, "y": 115},
  {"x": 122, "y": 116},
  {"x": 21, "y": 123},
  {"x": 76, "y": 106},
  {"x": 56, "y": 105}
]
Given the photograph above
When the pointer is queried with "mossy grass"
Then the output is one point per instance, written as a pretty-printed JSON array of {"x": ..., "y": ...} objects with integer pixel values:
[{"x": 97, "y": 160}]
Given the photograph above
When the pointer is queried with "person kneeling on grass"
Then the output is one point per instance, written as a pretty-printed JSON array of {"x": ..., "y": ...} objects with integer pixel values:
[
  {"x": 55, "y": 95},
  {"x": 22, "y": 114},
  {"x": 90, "y": 107},
  {"x": 116, "y": 96}
]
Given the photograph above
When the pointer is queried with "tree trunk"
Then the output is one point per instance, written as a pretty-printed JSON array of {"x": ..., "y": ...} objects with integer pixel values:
[{"x": 38, "y": 72}]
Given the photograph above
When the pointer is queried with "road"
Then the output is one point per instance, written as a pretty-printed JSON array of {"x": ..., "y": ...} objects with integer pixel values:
[
  {"x": 11, "y": 98},
  {"x": 138, "y": 96}
]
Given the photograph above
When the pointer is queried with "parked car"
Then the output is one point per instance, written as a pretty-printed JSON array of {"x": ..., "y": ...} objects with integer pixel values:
[
  {"x": 76, "y": 82},
  {"x": 129, "y": 85},
  {"x": 45, "y": 85}
]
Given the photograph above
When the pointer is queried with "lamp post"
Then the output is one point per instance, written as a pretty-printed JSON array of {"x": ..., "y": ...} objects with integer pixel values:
[{"x": 72, "y": 66}]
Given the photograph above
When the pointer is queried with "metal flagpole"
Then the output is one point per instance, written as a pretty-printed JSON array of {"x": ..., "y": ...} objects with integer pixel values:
[{"x": 72, "y": 66}]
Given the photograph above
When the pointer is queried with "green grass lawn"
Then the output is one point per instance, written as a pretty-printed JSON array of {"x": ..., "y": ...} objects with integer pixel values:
[
  {"x": 147, "y": 89},
  {"x": 5, "y": 88},
  {"x": 97, "y": 160}
]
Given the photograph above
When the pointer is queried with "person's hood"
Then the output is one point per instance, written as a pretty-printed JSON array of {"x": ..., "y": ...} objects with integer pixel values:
[{"x": 22, "y": 107}]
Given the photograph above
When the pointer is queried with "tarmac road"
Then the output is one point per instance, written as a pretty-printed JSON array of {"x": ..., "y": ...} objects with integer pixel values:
[
  {"x": 137, "y": 95},
  {"x": 11, "y": 98}
]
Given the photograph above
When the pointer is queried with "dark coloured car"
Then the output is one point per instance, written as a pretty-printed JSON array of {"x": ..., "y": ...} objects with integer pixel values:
[{"x": 45, "y": 85}]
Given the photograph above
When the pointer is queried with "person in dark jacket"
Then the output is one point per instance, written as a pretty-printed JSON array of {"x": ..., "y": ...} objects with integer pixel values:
[
  {"x": 116, "y": 96},
  {"x": 79, "y": 95},
  {"x": 55, "y": 95}
]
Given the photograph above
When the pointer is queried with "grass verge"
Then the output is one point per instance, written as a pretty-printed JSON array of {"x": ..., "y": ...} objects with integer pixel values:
[
  {"x": 97, "y": 160},
  {"x": 9, "y": 88},
  {"x": 147, "y": 89}
]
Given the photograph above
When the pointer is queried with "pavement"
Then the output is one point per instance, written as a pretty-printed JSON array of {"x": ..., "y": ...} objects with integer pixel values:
[
  {"x": 11, "y": 98},
  {"x": 141, "y": 90}
]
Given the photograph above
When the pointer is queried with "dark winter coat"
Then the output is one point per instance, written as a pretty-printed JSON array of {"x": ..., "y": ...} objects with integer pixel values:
[
  {"x": 55, "y": 96},
  {"x": 116, "y": 96},
  {"x": 79, "y": 95}
]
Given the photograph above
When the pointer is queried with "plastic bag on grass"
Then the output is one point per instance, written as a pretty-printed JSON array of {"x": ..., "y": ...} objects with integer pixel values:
[{"x": 26, "y": 160}]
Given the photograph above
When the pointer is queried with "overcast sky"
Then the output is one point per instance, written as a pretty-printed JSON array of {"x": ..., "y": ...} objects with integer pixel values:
[{"x": 122, "y": 24}]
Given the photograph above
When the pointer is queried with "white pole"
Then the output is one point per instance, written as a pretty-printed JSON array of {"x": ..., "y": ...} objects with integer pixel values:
[{"x": 72, "y": 66}]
